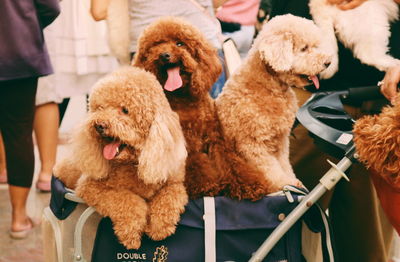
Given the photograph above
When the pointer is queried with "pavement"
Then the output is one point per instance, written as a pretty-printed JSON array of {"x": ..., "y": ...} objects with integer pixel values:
[{"x": 31, "y": 248}]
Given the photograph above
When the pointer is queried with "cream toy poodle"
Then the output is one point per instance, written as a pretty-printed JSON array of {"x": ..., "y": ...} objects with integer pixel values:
[
  {"x": 257, "y": 106},
  {"x": 364, "y": 29}
]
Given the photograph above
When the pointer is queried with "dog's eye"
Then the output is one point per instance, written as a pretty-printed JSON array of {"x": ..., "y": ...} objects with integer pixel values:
[
  {"x": 124, "y": 110},
  {"x": 304, "y": 48},
  {"x": 179, "y": 43}
]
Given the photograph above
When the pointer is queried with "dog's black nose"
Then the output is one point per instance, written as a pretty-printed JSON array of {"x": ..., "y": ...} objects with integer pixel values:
[
  {"x": 327, "y": 64},
  {"x": 100, "y": 127},
  {"x": 165, "y": 57}
]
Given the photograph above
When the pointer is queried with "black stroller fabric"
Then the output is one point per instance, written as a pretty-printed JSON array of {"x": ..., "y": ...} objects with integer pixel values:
[
  {"x": 59, "y": 205},
  {"x": 242, "y": 226}
]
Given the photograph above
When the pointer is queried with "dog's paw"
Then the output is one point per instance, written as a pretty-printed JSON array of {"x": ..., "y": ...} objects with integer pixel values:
[
  {"x": 131, "y": 241},
  {"x": 159, "y": 231},
  {"x": 278, "y": 186},
  {"x": 296, "y": 183},
  {"x": 128, "y": 234},
  {"x": 291, "y": 182}
]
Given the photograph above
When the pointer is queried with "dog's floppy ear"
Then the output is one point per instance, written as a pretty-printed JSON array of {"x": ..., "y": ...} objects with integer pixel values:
[
  {"x": 164, "y": 152},
  {"x": 87, "y": 153},
  {"x": 277, "y": 51},
  {"x": 140, "y": 56},
  {"x": 208, "y": 69}
]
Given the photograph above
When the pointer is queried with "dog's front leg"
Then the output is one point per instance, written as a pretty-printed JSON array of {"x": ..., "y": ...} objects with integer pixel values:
[
  {"x": 127, "y": 211},
  {"x": 269, "y": 164},
  {"x": 165, "y": 209},
  {"x": 66, "y": 170},
  {"x": 283, "y": 157}
]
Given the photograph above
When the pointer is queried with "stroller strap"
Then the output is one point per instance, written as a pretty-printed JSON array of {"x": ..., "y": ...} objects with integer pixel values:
[{"x": 209, "y": 230}]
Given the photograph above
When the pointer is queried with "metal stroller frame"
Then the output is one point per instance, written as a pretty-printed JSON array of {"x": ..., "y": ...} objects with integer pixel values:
[{"x": 77, "y": 239}]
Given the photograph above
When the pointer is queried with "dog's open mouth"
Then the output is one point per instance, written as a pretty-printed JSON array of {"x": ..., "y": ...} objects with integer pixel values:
[
  {"x": 312, "y": 78},
  {"x": 112, "y": 149},
  {"x": 174, "y": 79}
]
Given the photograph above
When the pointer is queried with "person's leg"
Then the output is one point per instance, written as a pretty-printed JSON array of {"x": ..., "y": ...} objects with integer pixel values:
[
  {"x": 19, "y": 217},
  {"x": 46, "y": 132},
  {"x": 3, "y": 168},
  {"x": 17, "y": 107}
]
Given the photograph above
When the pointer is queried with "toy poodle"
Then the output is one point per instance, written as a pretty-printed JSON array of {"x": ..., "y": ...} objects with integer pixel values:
[
  {"x": 257, "y": 106},
  {"x": 364, "y": 29},
  {"x": 187, "y": 65},
  {"x": 377, "y": 140},
  {"x": 128, "y": 158}
]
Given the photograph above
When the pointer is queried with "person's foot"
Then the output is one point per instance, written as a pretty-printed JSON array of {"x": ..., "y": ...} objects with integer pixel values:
[
  {"x": 43, "y": 186},
  {"x": 3, "y": 176},
  {"x": 21, "y": 231}
]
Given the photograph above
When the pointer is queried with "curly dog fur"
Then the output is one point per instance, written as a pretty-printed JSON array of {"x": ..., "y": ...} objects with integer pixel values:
[
  {"x": 377, "y": 140},
  {"x": 128, "y": 158},
  {"x": 365, "y": 30},
  {"x": 257, "y": 107},
  {"x": 212, "y": 167}
]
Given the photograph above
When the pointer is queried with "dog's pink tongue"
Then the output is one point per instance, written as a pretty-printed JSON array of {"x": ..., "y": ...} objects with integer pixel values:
[
  {"x": 111, "y": 150},
  {"x": 315, "y": 81},
  {"x": 174, "y": 80}
]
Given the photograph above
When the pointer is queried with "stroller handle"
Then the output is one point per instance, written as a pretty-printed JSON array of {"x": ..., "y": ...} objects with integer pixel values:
[
  {"x": 327, "y": 121},
  {"x": 365, "y": 93}
]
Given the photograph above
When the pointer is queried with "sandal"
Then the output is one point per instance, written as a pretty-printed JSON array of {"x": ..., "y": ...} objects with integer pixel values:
[
  {"x": 43, "y": 186},
  {"x": 24, "y": 233}
]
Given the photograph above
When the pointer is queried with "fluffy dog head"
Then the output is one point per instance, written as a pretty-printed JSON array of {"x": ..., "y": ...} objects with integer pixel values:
[
  {"x": 179, "y": 55},
  {"x": 130, "y": 122},
  {"x": 377, "y": 140},
  {"x": 291, "y": 47}
]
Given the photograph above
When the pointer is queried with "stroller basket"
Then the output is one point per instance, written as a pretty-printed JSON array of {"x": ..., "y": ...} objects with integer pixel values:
[{"x": 211, "y": 229}]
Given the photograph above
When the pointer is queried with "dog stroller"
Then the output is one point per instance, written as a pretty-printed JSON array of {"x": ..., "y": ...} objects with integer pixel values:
[
  {"x": 211, "y": 229},
  {"x": 218, "y": 229}
]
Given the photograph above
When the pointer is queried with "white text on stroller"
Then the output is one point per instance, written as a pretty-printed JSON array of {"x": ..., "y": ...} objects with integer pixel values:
[{"x": 141, "y": 256}]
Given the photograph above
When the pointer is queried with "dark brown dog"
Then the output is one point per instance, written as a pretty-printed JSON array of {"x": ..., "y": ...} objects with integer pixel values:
[{"x": 187, "y": 66}]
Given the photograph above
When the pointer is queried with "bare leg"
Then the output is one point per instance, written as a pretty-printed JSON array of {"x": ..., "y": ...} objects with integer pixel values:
[
  {"x": 2, "y": 157},
  {"x": 19, "y": 197},
  {"x": 46, "y": 132}
]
